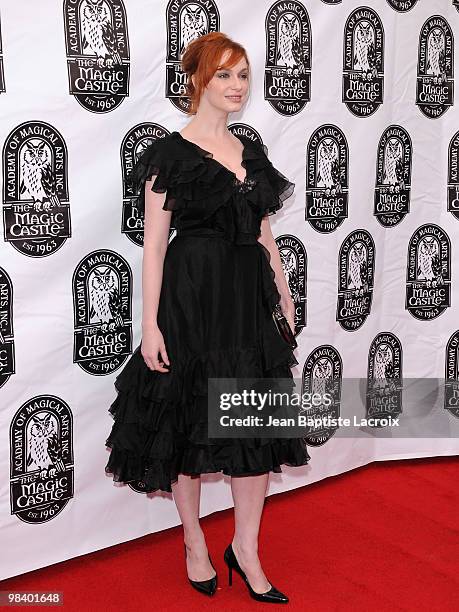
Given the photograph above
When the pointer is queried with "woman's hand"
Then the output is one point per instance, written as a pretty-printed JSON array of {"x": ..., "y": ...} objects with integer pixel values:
[
  {"x": 152, "y": 344},
  {"x": 288, "y": 309}
]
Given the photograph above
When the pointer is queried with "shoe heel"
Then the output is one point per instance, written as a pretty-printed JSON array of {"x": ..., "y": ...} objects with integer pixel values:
[{"x": 230, "y": 576}]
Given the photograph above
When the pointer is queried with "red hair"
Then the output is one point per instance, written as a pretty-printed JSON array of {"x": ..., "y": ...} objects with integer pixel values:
[{"x": 201, "y": 59}]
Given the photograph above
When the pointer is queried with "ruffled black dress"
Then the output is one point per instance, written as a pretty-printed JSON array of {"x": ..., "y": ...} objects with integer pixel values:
[{"x": 214, "y": 312}]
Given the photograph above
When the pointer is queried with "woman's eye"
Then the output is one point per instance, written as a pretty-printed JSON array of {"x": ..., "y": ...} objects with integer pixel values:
[{"x": 225, "y": 74}]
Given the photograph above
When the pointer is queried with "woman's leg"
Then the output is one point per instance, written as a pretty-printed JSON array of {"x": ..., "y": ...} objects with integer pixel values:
[
  {"x": 187, "y": 493},
  {"x": 249, "y": 494}
]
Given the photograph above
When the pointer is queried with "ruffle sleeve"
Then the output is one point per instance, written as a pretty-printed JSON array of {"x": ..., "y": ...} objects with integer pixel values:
[
  {"x": 152, "y": 162},
  {"x": 190, "y": 182},
  {"x": 273, "y": 187}
]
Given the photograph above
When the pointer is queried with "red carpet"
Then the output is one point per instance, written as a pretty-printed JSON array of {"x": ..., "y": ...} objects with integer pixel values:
[{"x": 383, "y": 537}]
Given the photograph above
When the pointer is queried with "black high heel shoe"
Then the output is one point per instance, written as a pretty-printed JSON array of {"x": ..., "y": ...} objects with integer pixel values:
[
  {"x": 208, "y": 587},
  {"x": 271, "y": 596}
]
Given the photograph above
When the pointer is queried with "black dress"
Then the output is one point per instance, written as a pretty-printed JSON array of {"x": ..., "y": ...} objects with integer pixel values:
[{"x": 214, "y": 312}]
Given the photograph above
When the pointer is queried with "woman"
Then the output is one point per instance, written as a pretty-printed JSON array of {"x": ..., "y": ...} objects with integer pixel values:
[{"x": 208, "y": 296}]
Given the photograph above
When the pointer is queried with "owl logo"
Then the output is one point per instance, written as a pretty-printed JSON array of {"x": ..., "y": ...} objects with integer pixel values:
[
  {"x": 288, "y": 51},
  {"x": 97, "y": 35},
  {"x": 393, "y": 165},
  {"x": 37, "y": 178},
  {"x": 436, "y": 55},
  {"x": 289, "y": 267},
  {"x": 43, "y": 449},
  {"x": 322, "y": 373},
  {"x": 357, "y": 277},
  {"x": 328, "y": 174},
  {"x": 104, "y": 298},
  {"x": 364, "y": 49},
  {"x": 383, "y": 370},
  {"x": 428, "y": 262},
  {"x": 193, "y": 24},
  {"x": 322, "y": 381}
]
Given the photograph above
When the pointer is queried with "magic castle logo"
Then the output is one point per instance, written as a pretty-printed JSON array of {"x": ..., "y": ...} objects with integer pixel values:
[
  {"x": 363, "y": 62},
  {"x": 451, "y": 399},
  {"x": 294, "y": 264},
  {"x": 288, "y": 57},
  {"x": 134, "y": 144},
  {"x": 186, "y": 20},
  {"x": 453, "y": 176},
  {"x": 7, "y": 359},
  {"x": 327, "y": 179},
  {"x": 428, "y": 273},
  {"x": 102, "y": 298},
  {"x": 322, "y": 375},
  {"x": 36, "y": 213},
  {"x": 97, "y": 50},
  {"x": 384, "y": 378},
  {"x": 356, "y": 268},
  {"x": 41, "y": 459},
  {"x": 393, "y": 176},
  {"x": 435, "y": 80}
]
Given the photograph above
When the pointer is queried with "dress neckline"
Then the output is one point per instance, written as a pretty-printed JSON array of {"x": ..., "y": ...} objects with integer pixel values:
[{"x": 209, "y": 155}]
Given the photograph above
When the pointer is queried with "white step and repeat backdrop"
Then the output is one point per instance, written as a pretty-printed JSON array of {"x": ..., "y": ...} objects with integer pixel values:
[{"x": 356, "y": 104}]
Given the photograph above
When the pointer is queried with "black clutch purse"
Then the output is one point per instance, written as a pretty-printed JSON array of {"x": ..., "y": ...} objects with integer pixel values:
[{"x": 283, "y": 327}]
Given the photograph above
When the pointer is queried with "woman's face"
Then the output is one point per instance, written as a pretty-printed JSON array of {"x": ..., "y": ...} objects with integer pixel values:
[{"x": 229, "y": 87}]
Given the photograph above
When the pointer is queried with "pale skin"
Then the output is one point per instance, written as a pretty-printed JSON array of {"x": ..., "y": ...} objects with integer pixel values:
[{"x": 209, "y": 130}]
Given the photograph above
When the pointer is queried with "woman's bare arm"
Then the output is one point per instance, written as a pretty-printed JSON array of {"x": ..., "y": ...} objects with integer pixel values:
[
  {"x": 156, "y": 237},
  {"x": 267, "y": 240}
]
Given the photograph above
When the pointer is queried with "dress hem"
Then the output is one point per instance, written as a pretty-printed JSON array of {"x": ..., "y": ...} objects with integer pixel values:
[{"x": 119, "y": 456}]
